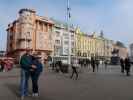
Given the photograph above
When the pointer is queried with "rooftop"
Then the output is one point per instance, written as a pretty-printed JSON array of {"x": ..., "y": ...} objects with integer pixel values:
[{"x": 26, "y": 9}]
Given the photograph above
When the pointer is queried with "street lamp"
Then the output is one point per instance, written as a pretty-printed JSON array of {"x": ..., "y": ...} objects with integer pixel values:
[
  {"x": 68, "y": 21},
  {"x": 0, "y": 40}
]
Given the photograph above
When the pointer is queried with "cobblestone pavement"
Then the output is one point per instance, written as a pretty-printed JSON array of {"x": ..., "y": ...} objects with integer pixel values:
[{"x": 107, "y": 84}]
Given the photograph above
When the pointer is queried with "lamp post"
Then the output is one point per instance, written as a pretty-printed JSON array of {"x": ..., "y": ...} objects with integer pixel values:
[
  {"x": 68, "y": 22},
  {"x": 0, "y": 40}
]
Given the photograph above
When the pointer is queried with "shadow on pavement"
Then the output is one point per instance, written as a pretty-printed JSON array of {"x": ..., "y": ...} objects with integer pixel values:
[{"x": 14, "y": 88}]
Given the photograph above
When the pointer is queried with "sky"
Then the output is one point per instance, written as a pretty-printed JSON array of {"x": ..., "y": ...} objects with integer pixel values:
[{"x": 114, "y": 17}]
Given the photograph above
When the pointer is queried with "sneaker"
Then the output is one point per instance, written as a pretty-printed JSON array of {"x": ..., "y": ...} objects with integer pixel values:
[{"x": 35, "y": 94}]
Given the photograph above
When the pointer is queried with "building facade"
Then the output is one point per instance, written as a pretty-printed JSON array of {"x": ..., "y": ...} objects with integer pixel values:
[
  {"x": 51, "y": 37},
  {"x": 61, "y": 39},
  {"x": 131, "y": 50},
  {"x": 93, "y": 45},
  {"x": 122, "y": 51},
  {"x": 30, "y": 31}
]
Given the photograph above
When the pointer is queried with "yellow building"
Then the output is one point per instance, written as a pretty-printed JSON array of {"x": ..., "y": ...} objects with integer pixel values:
[
  {"x": 84, "y": 44},
  {"x": 92, "y": 45}
]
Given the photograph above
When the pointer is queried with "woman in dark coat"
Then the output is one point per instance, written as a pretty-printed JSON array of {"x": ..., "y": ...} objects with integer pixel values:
[
  {"x": 127, "y": 66},
  {"x": 37, "y": 68}
]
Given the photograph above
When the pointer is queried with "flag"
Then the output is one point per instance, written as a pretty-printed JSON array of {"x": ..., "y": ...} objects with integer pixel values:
[{"x": 68, "y": 9}]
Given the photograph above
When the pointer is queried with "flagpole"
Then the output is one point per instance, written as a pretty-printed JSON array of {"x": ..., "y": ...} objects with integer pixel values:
[
  {"x": 1, "y": 40},
  {"x": 68, "y": 22}
]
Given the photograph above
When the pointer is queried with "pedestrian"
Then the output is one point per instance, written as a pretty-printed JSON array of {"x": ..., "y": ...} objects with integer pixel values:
[
  {"x": 25, "y": 64},
  {"x": 49, "y": 61},
  {"x": 74, "y": 65},
  {"x": 60, "y": 66},
  {"x": 88, "y": 63},
  {"x": 122, "y": 65},
  {"x": 2, "y": 65},
  {"x": 97, "y": 64},
  {"x": 35, "y": 73},
  {"x": 93, "y": 64},
  {"x": 127, "y": 66},
  {"x": 105, "y": 64}
]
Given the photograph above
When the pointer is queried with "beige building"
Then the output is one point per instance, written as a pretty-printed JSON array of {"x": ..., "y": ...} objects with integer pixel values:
[
  {"x": 30, "y": 31},
  {"x": 122, "y": 51},
  {"x": 131, "y": 50}
]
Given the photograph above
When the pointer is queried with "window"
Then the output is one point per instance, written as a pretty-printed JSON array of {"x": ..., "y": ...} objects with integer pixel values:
[
  {"x": 57, "y": 33},
  {"x": 72, "y": 44},
  {"x": 66, "y": 50},
  {"x": 66, "y": 34},
  {"x": 57, "y": 41},
  {"x": 66, "y": 37},
  {"x": 50, "y": 28},
  {"x": 72, "y": 35},
  {"x": 28, "y": 34},
  {"x": 41, "y": 26},
  {"x": 66, "y": 42}
]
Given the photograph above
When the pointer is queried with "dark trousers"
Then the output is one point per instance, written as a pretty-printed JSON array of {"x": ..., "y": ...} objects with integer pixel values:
[
  {"x": 35, "y": 77},
  {"x": 122, "y": 68},
  {"x": 74, "y": 71},
  {"x": 2, "y": 68},
  {"x": 93, "y": 67},
  {"x": 127, "y": 71}
]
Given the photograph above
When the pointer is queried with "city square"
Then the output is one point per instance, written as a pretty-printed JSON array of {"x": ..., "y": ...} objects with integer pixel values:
[{"x": 66, "y": 50}]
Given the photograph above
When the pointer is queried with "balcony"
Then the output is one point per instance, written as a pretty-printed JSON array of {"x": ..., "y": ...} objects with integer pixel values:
[{"x": 23, "y": 39}]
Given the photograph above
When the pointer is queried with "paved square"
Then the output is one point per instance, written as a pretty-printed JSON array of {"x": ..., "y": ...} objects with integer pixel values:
[{"x": 107, "y": 84}]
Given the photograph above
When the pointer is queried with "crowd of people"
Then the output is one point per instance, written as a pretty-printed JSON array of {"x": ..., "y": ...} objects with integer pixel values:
[
  {"x": 93, "y": 64},
  {"x": 76, "y": 64}
]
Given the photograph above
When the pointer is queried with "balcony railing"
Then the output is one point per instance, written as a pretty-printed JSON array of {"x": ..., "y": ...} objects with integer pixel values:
[{"x": 23, "y": 39}]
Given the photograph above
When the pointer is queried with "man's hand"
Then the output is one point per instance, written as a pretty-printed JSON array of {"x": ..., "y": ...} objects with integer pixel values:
[{"x": 33, "y": 66}]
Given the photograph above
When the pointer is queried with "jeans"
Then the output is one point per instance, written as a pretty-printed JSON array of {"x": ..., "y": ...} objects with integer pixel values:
[
  {"x": 35, "y": 77},
  {"x": 74, "y": 71},
  {"x": 24, "y": 82}
]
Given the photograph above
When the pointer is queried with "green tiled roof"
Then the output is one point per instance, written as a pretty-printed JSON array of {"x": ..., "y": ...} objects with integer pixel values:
[{"x": 61, "y": 23}]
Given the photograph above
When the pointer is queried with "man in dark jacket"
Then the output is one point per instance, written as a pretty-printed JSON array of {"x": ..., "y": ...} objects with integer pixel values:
[
  {"x": 93, "y": 64},
  {"x": 74, "y": 68},
  {"x": 25, "y": 63},
  {"x": 122, "y": 65},
  {"x": 127, "y": 66}
]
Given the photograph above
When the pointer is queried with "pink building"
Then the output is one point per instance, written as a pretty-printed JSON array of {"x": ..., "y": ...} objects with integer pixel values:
[{"x": 30, "y": 31}]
